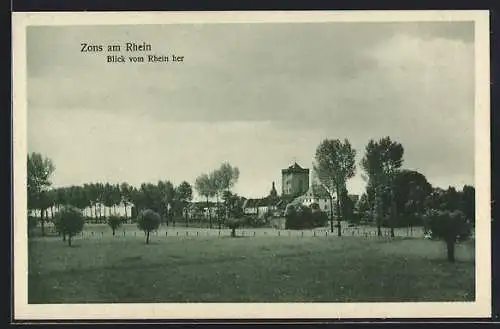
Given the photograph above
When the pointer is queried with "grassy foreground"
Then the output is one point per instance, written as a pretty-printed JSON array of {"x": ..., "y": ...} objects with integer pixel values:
[{"x": 247, "y": 269}]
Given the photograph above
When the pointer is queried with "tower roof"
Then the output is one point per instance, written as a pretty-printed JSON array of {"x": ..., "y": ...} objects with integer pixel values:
[{"x": 295, "y": 168}]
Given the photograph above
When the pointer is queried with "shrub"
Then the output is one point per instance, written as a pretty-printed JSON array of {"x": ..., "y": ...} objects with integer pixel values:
[
  {"x": 148, "y": 221},
  {"x": 69, "y": 221},
  {"x": 303, "y": 217}
]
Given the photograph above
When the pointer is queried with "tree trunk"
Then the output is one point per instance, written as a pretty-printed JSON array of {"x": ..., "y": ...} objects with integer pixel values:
[
  {"x": 64, "y": 236},
  {"x": 450, "y": 246},
  {"x": 331, "y": 213},
  {"x": 113, "y": 231},
  {"x": 42, "y": 222},
  {"x": 377, "y": 212},
  {"x": 233, "y": 232},
  {"x": 69, "y": 240},
  {"x": 339, "y": 214},
  {"x": 52, "y": 212},
  {"x": 209, "y": 214},
  {"x": 218, "y": 213},
  {"x": 147, "y": 237},
  {"x": 125, "y": 208},
  {"x": 393, "y": 212}
]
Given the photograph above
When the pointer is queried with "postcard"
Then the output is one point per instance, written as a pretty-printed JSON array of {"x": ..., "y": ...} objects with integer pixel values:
[{"x": 251, "y": 165}]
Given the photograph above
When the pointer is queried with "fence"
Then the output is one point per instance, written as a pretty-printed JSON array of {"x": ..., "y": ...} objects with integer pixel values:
[{"x": 215, "y": 233}]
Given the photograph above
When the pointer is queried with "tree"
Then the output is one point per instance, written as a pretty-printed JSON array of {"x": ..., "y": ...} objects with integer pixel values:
[
  {"x": 166, "y": 200},
  {"x": 448, "y": 226},
  {"x": 69, "y": 221},
  {"x": 468, "y": 203},
  {"x": 32, "y": 222},
  {"x": 205, "y": 187},
  {"x": 148, "y": 221},
  {"x": 334, "y": 165},
  {"x": 184, "y": 194},
  {"x": 381, "y": 163},
  {"x": 223, "y": 180},
  {"x": 233, "y": 204},
  {"x": 411, "y": 190},
  {"x": 114, "y": 222},
  {"x": 108, "y": 197},
  {"x": 125, "y": 193},
  {"x": 39, "y": 170}
]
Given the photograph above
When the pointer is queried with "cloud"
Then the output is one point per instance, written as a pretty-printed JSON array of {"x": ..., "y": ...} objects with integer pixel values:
[{"x": 258, "y": 95}]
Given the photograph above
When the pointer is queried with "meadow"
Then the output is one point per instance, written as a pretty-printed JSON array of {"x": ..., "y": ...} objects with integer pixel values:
[{"x": 260, "y": 265}]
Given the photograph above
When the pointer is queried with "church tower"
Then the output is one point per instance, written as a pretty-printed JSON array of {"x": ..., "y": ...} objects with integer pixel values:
[{"x": 273, "y": 193}]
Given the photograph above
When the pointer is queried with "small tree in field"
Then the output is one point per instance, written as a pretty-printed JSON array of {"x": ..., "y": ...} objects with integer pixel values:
[
  {"x": 233, "y": 224},
  {"x": 69, "y": 222},
  {"x": 147, "y": 221},
  {"x": 448, "y": 226},
  {"x": 114, "y": 222}
]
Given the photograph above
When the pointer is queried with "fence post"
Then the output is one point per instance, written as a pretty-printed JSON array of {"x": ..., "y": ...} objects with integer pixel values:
[
  {"x": 326, "y": 233},
  {"x": 166, "y": 233},
  {"x": 197, "y": 233},
  {"x": 177, "y": 233},
  {"x": 253, "y": 233},
  {"x": 278, "y": 233},
  {"x": 302, "y": 233},
  {"x": 314, "y": 232}
]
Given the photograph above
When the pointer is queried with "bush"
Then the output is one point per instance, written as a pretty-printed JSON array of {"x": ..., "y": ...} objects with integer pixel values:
[
  {"x": 148, "y": 221},
  {"x": 303, "y": 217},
  {"x": 255, "y": 221}
]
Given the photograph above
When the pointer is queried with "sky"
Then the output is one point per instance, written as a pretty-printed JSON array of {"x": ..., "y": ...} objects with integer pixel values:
[{"x": 259, "y": 96}]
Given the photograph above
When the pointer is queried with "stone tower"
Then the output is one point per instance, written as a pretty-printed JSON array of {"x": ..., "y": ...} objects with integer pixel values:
[{"x": 295, "y": 180}]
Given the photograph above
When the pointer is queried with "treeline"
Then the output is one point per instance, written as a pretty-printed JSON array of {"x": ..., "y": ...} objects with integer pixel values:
[
  {"x": 394, "y": 196},
  {"x": 169, "y": 201}
]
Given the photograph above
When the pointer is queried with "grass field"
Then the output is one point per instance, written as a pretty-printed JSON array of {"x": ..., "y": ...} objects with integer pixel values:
[{"x": 264, "y": 268}]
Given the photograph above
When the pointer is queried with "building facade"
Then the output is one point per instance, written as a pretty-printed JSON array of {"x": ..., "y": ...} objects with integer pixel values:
[{"x": 295, "y": 180}]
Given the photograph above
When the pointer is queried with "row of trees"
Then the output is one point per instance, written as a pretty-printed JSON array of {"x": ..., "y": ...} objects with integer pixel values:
[
  {"x": 394, "y": 196},
  {"x": 169, "y": 201}
]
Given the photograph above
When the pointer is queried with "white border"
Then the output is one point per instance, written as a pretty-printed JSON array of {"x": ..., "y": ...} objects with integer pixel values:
[{"x": 480, "y": 308}]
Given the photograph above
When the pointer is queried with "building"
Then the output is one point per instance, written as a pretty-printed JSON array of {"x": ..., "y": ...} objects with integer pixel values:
[
  {"x": 295, "y": 180},
  {"x": 316, "y": 194},
  {"x": 260, "y": 207}
]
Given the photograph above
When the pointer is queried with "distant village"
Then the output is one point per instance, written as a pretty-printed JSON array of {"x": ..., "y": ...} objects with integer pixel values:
[{"x": 296, "y": 189}]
